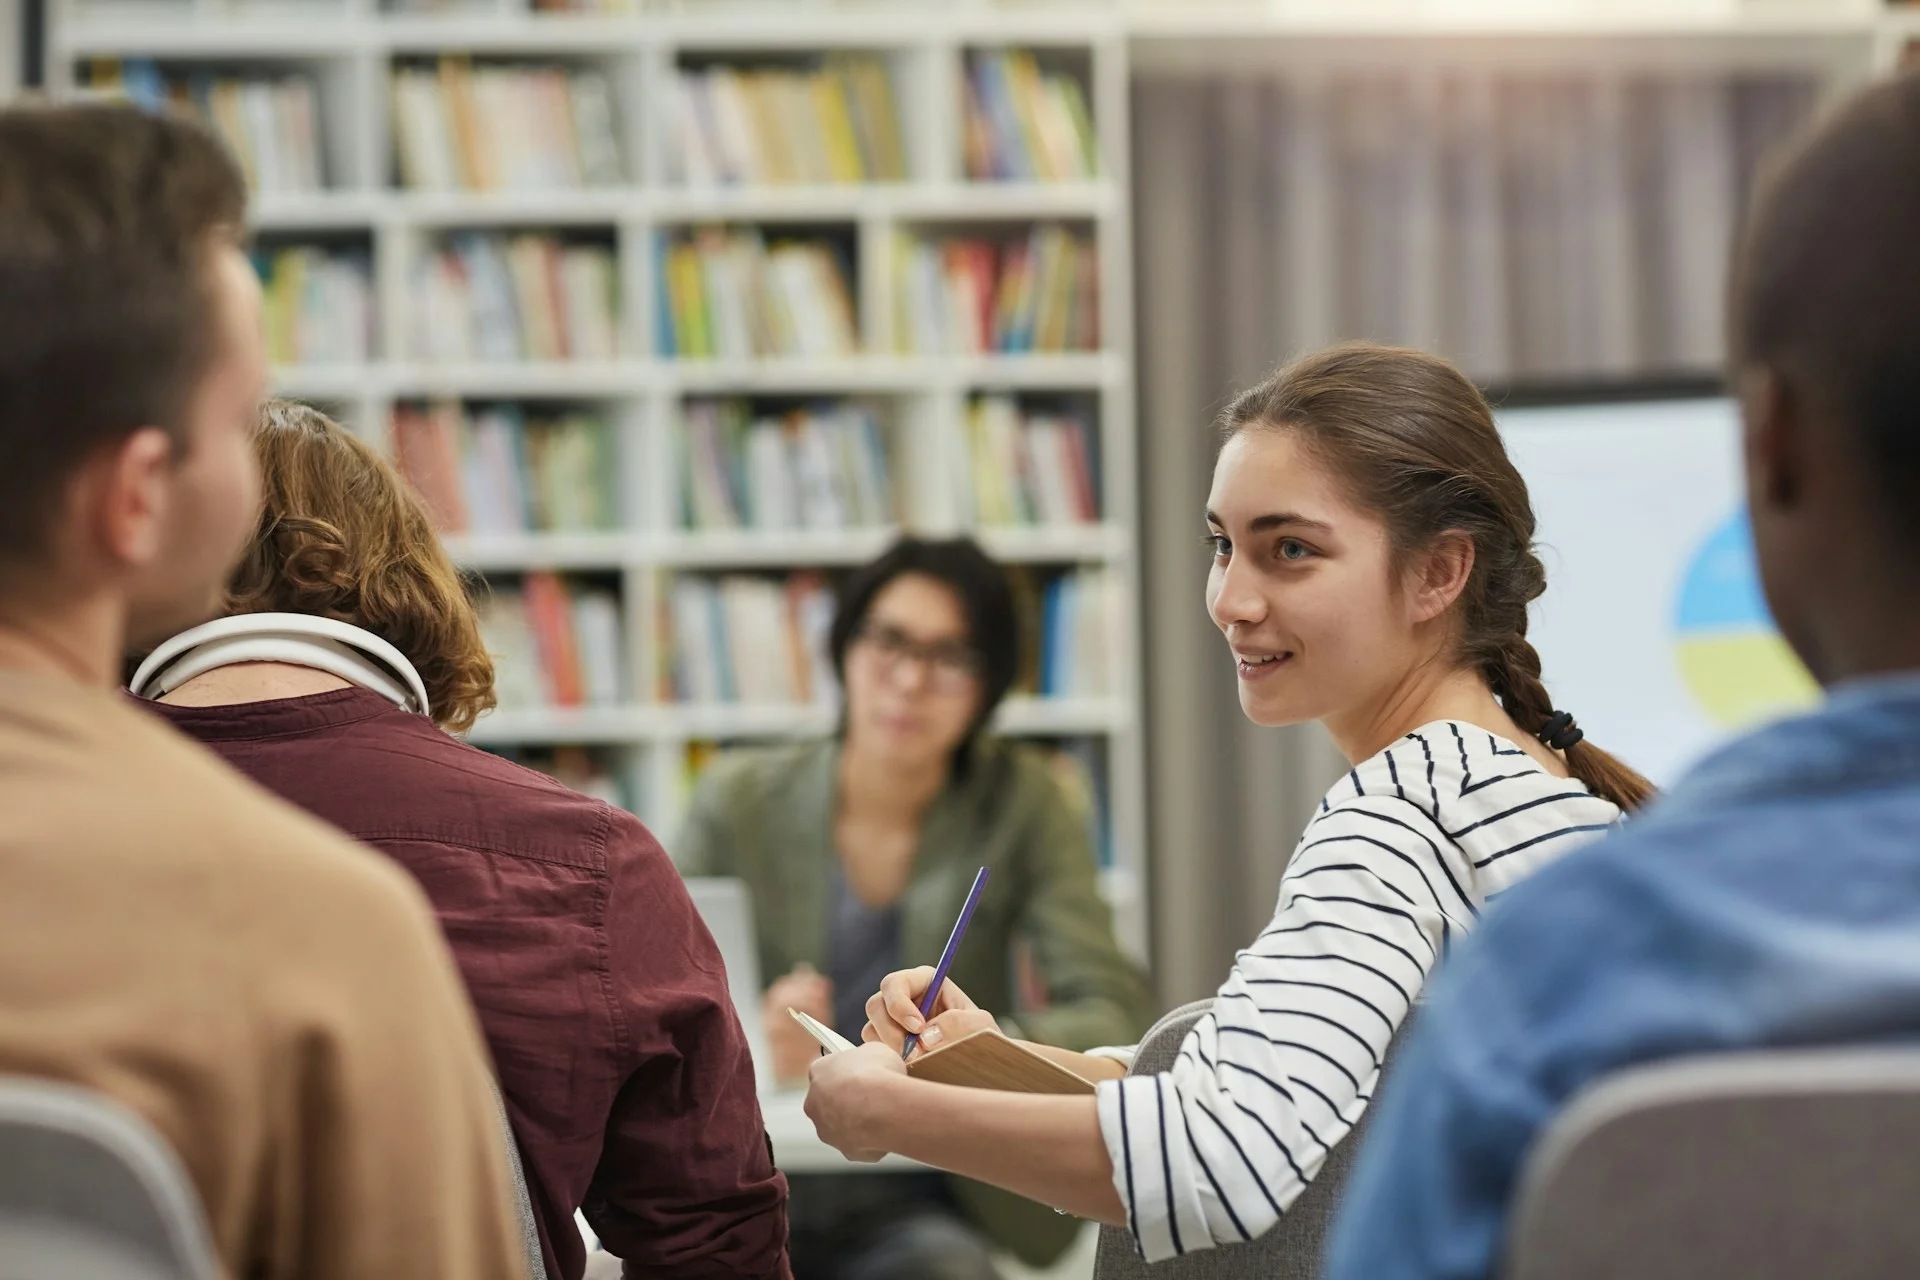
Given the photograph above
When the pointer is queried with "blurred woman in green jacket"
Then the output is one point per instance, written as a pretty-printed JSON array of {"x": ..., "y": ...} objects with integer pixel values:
[{"x": 858, "y": 851}]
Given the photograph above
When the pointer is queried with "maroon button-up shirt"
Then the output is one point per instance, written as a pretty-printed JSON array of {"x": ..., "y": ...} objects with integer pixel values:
[{"x": 625, "y": 1071}]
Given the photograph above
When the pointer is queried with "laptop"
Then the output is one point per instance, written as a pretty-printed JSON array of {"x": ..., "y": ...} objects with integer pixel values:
[{"x": 726, "y": 908}]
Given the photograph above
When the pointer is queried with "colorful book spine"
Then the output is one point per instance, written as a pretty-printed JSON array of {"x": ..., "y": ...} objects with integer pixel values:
[
  {"x": 489, "y": 297},
  {"x": 1021, "y": 123},
  {"x": 730, "y": 294},
  {"x": 1078, "y": 770},
  {"x": 833, "y": 123},
  {"x": 504, "y": 127},
  {"x": 1027, "y": 468},
  {"x": 494, "y": 470},
  {"x": 271, "y": 122},
  {"x": 816, "y": 468},
  {"x": 1078, "y": 619},
  {"x": 969, "y": 296},
  {"x": 318, "y": 305},
  {"x": 741, "y": 638},
  {"x": 554, "y": 644}
]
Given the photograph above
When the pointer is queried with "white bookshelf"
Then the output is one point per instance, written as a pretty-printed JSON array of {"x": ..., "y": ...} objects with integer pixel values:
[{"x": 349, "y": 47}]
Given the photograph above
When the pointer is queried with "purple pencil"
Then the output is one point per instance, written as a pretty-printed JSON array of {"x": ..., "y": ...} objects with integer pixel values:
[{"x": 946, "y": 957}]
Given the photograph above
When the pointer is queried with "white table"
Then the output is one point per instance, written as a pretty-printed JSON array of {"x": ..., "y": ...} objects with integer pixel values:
[{"x": 798, "y": 1149}]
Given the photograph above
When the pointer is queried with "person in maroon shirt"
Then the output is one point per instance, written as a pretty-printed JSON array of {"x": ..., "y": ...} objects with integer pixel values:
[{"x": 626, "y": 1074}]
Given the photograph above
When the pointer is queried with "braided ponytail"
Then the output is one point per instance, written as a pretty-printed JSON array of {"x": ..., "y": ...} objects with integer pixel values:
[
  {"x": 1513, "y": 673},
  {"x": 1417, "y": 443}
]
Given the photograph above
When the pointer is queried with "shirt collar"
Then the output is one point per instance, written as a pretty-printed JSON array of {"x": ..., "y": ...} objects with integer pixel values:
[{"x": 1867, "y": 734}]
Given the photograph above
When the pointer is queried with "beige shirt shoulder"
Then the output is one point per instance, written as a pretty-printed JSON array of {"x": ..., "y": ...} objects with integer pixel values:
[{"x": 274, "y": 998}]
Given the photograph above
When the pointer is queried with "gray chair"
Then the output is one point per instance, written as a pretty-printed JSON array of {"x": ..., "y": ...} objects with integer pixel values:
[
  {"x": 522, "y": 1198},
  {"x": 87, "y": 1188},
  {"x": 1291, "y": 1250},
  {"x": 1766, "y": 1166}
]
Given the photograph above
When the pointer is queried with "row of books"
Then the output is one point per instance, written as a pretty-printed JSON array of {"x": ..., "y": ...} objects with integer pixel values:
[
  {"x": 317, "y": 305},
  {"x": 490, "y": 297},
  {"x": 497, "y": 470},
  {"x": 554, "y": 643},
  {"x": 504, "y": 127},
  {"x": 1077, "y": 768},
  {"x": 732, "y": 295},
  {"x": 271, "y": 122},
  {"x": 1078, "y": 618},
  {"x": 744, "y": 638},
  {"x": 963, "y": 295},
  {"x": 1028, "y": 468},
  {"x": 835, "y": 122},
  {"x": 754, "y": 639},
  {"x": 814, "y": 468},
  {"x": 1020, "y": 123}
]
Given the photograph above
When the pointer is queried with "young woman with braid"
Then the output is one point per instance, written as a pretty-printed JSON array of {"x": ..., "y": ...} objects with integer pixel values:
[{"x": 1372, "y": 567}]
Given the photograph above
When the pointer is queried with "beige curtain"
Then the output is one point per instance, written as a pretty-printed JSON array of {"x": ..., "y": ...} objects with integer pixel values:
[{"x": 1532, "y": 229}]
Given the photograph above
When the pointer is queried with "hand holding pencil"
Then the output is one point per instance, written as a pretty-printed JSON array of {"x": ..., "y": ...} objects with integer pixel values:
[
  {"x": 893, "y": 1013},
  {"x": 928, "y": 996}
]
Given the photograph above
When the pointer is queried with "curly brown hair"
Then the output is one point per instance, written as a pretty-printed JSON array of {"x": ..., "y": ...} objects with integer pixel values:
[{"x": 342, "y": 535}]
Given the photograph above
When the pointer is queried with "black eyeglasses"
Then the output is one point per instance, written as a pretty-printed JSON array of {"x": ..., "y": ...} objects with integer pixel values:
[{"x": 952, "y": 666}]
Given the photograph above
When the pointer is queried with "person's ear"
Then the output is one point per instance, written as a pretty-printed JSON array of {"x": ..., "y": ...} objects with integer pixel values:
[
  {"x": 1440, "y": 574},
  {"x": 127, "y": 493},
  {"x": 1770, "y": 440}
]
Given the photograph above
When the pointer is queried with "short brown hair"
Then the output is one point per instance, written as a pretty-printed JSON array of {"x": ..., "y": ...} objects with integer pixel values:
[
  {"x": 342, "y": 535},
  {"x": 107, "y": 323},
  {"x": 1416, "y": 444}
]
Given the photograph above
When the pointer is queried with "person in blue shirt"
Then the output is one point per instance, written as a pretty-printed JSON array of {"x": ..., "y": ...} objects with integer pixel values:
[{"x": 1773, "y": 897}]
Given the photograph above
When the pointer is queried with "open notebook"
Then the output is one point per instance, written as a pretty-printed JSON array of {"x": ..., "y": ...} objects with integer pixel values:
[{"x": 984, "y": 1060}]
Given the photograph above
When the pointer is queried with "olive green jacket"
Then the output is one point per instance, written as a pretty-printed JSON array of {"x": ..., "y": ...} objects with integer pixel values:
[{"x": 767, "y": 816}]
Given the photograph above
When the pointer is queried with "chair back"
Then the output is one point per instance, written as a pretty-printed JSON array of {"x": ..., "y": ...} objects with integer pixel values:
[
  {"x": 522, "y": 1197},
  {"x": 1767, "y": 1165},
  {"x": 87, "y": 1188},
  {"x": 1292, "y": 1250}
]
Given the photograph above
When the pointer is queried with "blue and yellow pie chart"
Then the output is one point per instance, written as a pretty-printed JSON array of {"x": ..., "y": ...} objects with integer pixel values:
[{"x": 1732, "y": 659}]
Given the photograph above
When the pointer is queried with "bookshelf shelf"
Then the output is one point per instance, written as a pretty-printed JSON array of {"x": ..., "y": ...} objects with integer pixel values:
[
  {"x": 508, "y": 553},
  {"x": 575, "y": 380},
  {"x": 885, "y": 201},
  {"x": 527, "y": 379},
  {"x": 317, "y": 211},
  {"x": 748, "y": 549},
  {"x": 724, "y": 722},
  {"x": 585, "y": 206},
  {"x": 756, "y": 550},
  {"x": 336, "y": 383}
]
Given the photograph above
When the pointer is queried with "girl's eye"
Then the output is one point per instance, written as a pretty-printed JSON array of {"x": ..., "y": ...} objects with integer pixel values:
[
  {"x": 1291, "y": 549},
  {"x": 1221, "y": 546}
]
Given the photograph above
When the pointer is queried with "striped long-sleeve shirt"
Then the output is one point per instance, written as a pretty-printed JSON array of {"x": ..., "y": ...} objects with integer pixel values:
[{"x": 1403, "y": 855}]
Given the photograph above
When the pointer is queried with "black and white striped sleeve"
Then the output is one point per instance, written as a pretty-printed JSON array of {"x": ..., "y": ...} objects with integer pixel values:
[{"x": 1215, "y": 1149}]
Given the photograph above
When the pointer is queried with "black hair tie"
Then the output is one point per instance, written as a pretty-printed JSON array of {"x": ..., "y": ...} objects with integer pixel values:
[{"x": 1561, "y": 733}]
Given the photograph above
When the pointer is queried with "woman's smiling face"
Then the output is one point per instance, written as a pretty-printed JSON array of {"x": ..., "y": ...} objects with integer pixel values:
[{"x": 1303, "y": 584}]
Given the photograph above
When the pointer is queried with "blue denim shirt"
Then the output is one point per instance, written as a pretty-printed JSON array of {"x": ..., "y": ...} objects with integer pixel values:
[{"x": 1772, "y": 898}]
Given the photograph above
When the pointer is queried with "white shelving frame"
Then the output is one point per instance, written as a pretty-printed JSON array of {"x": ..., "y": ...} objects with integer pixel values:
[{"x": 351, "y": 45}]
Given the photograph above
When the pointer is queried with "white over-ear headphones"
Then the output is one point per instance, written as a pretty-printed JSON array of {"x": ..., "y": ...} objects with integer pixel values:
[{"x": 352, "y": 653}]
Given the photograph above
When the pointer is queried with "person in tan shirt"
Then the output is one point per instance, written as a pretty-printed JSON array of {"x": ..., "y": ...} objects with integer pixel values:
[{"x": 273, "y": 998}]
